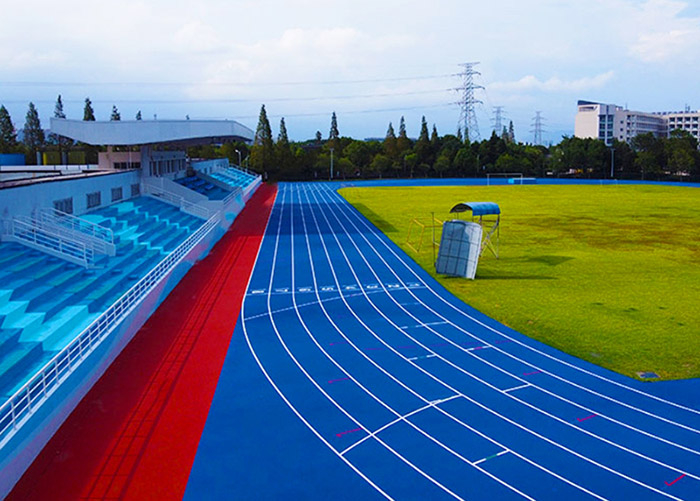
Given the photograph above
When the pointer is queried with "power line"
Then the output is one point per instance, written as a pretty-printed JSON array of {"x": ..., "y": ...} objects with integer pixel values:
[{"x": 467, "y": 103}]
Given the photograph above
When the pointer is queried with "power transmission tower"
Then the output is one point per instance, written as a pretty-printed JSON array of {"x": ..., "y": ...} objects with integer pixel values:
[
  {"x": 467, "y": 103},
  {"x": 498, "y": 119},
  {"x": 537, "y": 127}
]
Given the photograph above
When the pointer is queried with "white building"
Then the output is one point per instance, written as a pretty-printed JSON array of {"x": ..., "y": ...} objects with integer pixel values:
[{"x": 608, "y": 121}]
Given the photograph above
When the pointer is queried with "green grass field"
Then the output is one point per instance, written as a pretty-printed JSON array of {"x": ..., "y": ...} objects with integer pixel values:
[{"x": 610, "y": 274}]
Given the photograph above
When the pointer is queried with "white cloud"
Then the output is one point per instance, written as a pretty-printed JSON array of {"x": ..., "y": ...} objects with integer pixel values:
[
  {"x": 531, "y": 83},
  {"x": 660, "y": 33}
]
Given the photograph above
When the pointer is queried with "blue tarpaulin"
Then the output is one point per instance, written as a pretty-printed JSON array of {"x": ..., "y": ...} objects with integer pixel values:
[{"x": 478, "y": 208}]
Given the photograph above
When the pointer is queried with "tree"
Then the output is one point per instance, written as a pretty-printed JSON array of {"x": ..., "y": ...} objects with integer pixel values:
[
  {"x": 318, "y": 137},
  {"x": 682, "y": 152},
  {"x": 650, "y": 154},
  {"x": 442, "y": 164},
  {"x": 262, "y": 153},
  {"x": 115, "y": 117},
  {"x": 403, "y": 144},
  {"x": 379, "y": 165},
  {"x": 334, "y": 135},
  {"x": 422, "y": 146},
  {"x": 389, "y": 146},
  {"x": 511, "y": 132},
  {"x": 88, "y": 112},
  {"x": 283, "y": 150},
  {"x": 359, "y": 154},
  {"x": 63, "y": 143},
  {"x": 8, "y": 136},
  {"x": 138, "y": 115},
  {"x": 33, "y": 133}
]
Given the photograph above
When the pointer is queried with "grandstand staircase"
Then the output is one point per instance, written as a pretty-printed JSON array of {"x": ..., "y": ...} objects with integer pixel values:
[{"x": 47, "y": 298}]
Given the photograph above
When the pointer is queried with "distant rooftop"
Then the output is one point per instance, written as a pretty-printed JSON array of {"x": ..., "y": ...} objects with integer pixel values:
[{"x": 145, "y": 132}]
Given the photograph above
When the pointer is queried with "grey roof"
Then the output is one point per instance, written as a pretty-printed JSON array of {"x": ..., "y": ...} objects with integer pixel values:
[{"x": 143, "y": 132}]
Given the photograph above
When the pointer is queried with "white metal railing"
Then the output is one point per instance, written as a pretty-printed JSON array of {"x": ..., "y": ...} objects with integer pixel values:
[
  {"x": 99, "y": 238},
  {"x": 152, "y": 188},
  {"x": 26, "y": 231},
  {"x": 20, "y": 406},
  {"x": 229, "y": 199},
  {"x": 76, "y": 224}
]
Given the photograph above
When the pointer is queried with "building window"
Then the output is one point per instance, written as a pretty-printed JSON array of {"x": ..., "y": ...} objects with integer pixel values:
[
  {"x": 135, "y": 190},
  {"x": 94, "y": 199},
  {"x": 64, "y": 205},
  {"x": 117, "y": 194}
]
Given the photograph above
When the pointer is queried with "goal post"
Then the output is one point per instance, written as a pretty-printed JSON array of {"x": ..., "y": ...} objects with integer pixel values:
[{"x": 507, "y": 175}]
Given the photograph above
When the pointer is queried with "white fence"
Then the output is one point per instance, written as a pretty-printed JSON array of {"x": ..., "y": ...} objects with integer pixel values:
[{"x": 17, "y": 410}]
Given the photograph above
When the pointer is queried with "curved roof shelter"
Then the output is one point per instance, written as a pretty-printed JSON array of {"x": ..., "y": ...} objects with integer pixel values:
[
  {"x": 145, "y": 132},
  {"x": 477, "y": 208}
]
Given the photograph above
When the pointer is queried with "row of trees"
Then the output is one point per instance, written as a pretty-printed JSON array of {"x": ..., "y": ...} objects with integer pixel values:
[
  {"x": 432, "y": 155},
  {"x": 35, "y": 141},
  {"x": 397, "y": 155}
]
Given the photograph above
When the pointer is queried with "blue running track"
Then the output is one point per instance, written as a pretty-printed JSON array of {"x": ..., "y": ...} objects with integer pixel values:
[{"x": 353, "y": 375}]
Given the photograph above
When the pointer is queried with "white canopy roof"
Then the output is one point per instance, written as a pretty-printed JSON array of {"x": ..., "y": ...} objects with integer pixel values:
[{"x": 142, "y": 132}]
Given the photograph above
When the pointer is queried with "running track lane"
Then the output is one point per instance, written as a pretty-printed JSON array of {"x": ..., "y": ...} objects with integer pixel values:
[
  {"x": 353, "y": 374},
  {"x": 135, "y": 433}
]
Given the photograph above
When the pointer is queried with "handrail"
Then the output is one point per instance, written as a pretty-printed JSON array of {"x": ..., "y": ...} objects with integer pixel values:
[
  {"x": 25, "y": 230},
  {"x": 231, "y": 197},
  {"x": 22, "y": 404},
  {"x": 194, "y": 209},
  {"x": 77, "y": 224}
]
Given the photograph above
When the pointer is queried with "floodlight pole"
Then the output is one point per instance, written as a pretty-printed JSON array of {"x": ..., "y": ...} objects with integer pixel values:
[
  {"x": 239, "y": 157},
  {"x": 331, "y": 164},
  {"x": 612, "y": 162}
]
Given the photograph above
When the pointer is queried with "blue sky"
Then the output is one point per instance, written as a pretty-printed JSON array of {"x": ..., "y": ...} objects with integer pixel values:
[{"x": 369, "y": 61}]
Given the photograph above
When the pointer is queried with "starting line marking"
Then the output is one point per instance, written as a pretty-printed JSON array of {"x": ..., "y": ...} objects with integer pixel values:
[
  {"x": 580, "y": 420},
  {"x": 331, "y": 381},
  {"x": 420, "y": 357},
  {"x": 676, "y": 480},
  {"x": 531, "y": 373},
  {"x": 491, "y": 457},
  {"x": 478, "y": 348}
]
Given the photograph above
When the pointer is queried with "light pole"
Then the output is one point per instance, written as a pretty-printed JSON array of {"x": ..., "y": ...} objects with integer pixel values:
[
  {"x": 239, "y": 157},
  {"x": 612, "y": 162},
  {"x": 331, "y": 164}
]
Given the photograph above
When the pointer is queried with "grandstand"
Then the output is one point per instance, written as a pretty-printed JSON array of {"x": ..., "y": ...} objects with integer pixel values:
[{"x": 85, "y": 260}]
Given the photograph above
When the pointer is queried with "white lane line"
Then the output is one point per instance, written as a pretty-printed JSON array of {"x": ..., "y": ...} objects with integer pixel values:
[
  {"x": 375, "y": 232},
  {"x": 276, "y": 388},
  {"x": 491, "y": 457},
  {"x": 560, "y": 397},
  {"x": 398, "y": 420},
  {"x": 321, "y": 389},
  {"x": 517, "y": 387},
  {"x": 384, "y": 371},
  {"x": 450, "y": 416},
  {"x": 561, "y": 446}
]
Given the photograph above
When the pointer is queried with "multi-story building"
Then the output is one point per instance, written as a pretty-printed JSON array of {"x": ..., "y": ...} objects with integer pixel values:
[{"x": 608, "y": 121}]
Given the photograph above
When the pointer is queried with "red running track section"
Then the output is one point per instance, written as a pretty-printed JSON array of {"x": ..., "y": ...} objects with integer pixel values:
[{"x": 135, "y": 434}]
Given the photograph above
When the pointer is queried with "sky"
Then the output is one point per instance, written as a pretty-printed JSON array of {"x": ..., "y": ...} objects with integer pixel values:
[{"x": 370, "y": 61}]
